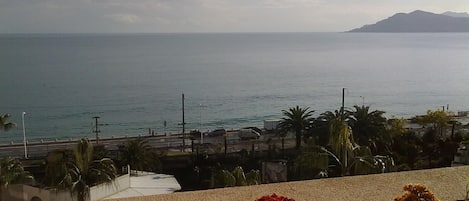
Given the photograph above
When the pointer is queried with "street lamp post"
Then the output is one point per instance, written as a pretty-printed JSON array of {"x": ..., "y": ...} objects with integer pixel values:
[{"x": 24, "y": 137}]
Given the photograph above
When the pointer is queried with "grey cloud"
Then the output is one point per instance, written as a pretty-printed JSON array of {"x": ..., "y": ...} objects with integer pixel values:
[
  {"x": 125, "y": 18},
  {"x": 203, "y": 15}
]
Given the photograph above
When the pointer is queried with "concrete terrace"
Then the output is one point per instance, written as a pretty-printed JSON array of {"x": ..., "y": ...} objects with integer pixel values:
[{"x": 448, "y": 184}]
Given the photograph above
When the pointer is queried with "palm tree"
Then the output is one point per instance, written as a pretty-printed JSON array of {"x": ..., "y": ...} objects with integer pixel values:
[
  {"x": 84, "y": 172},
  {"x": 364, "y": 162},
  {"x": 341, "y": 141},
  {"x": 140, "y": 155},
  {"x": 369, "y": 128},
  {"x": 296, "y": 119},
  {"x": 320, "y": 128},
  {"x": 4, "y": 124},
  {"x": 11, "y": 172}
]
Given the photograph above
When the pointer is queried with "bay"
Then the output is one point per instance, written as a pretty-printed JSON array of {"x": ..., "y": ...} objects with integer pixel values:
[{"x": 134, "y": 82}]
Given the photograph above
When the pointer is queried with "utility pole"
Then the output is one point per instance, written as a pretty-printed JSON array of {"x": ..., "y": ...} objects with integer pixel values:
[
  {"x": 183, "y": 119},
  {"x": 96, "y": 130},
  {"x": 200, "y": 127},
  {"x": 183, "y": 126},
  {"x": 164, "y": 127}
]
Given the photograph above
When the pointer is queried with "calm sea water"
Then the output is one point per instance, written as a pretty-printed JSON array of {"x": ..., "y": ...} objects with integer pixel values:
[{"x": 135, "y": 82}]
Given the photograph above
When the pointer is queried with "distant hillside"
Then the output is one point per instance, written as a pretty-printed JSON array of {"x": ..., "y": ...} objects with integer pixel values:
[
  {"x": 455, "y": 14},
  {"x": 419, "y": 21}
]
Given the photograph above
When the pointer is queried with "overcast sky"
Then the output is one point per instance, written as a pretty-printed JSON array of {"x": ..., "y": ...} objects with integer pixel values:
[{"x": 143, "y": 16}]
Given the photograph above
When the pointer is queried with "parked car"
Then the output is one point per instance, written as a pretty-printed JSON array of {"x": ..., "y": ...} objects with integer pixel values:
[
  {"x": 254, "y": 128},
  {"x": 246, "y": 134},
  {"x": 195, "y": 134},
  {"x": 217, "y": 132}
]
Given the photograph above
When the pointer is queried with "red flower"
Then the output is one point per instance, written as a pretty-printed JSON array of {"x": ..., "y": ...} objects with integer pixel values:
[{"x": 274, "y": 197}]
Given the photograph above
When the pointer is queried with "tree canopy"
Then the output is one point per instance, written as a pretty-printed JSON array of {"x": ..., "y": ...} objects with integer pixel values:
[
  {"x": 12, "y": 172},
  {"x": 296, "y": 119},
  {"x": 369, "y": 129},
  {"x": 83, "y": 171},
  {"x": 438, "y": 120},
  {"x": 5, "y": 125},
  {"x": 140, "y": 155}
]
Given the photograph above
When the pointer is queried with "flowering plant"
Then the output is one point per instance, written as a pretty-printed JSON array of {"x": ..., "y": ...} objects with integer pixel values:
[
  {"x": 274, "y": 197},
  {"x": 416, "y": 192}
]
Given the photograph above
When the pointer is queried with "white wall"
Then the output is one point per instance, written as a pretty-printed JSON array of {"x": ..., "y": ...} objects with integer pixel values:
[
  {"x": 104, "y": 190},
  {"x": 26, "y": 193}
]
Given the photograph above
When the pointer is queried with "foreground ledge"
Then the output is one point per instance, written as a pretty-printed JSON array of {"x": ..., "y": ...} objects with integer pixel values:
[{"x": 448, "y": 184}]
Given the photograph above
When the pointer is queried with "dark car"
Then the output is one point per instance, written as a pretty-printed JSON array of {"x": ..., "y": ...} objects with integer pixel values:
[
  {"x": 217, "y": 132},
  {"x": 195, "y": 134}
]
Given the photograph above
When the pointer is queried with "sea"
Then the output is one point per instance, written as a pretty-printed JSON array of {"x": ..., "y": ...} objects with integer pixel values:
[{"x": 134, "y": 82}]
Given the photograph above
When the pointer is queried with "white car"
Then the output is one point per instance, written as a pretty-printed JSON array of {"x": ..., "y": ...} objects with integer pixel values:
[{"x": 245, "y": 134}]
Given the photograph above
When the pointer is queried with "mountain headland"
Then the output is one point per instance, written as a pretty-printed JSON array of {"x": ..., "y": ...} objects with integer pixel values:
[{"x": 420, "y": 21}]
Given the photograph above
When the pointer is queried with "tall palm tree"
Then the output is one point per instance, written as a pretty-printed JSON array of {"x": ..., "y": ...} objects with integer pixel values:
[
  {"x": 11, "y": 172},
  {"x": 4, "y": 124},
  {"x": 320, "y": 128},
  {"x": 84, "y": 172},
  {"x": 341, "y": 141},
  {"x": 140, "y": 155},
  {"x": 369, "y": 128},
  {"x": 296, "y": 119}
]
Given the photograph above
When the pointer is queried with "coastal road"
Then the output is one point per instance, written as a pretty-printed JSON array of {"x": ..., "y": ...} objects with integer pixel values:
[{"x": 40, "y": 149}]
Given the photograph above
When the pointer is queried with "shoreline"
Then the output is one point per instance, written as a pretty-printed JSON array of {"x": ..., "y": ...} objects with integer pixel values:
[{"x": 461, "y": 116}]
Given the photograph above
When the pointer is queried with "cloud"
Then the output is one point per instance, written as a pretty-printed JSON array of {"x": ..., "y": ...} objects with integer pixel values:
[
  {"x": 133, "y": 4},
  {"x": 125, "y": 18},
  {"x": 292, "y": 3},
  {"x": 205, "y": 15}
]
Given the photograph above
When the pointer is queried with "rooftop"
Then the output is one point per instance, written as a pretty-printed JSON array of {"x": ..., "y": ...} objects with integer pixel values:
[{"x": 148, "y": 183}]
